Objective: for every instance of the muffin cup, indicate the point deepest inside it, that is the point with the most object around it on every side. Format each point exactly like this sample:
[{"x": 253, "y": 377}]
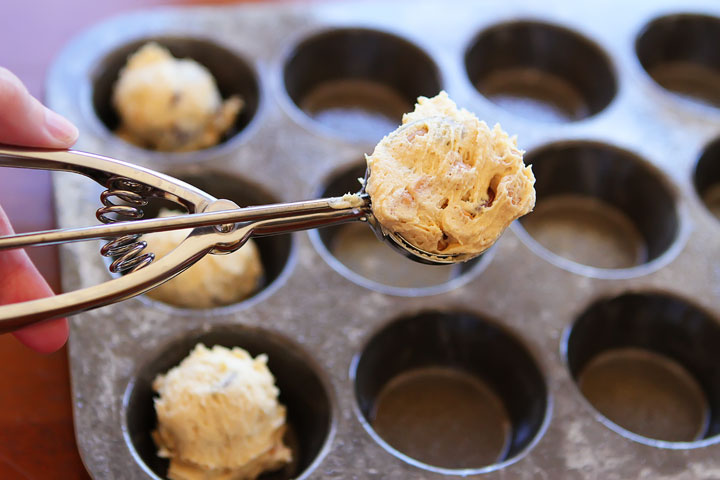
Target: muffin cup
[
  {"x": 233, "y": 76},
  {"x": 649, "y": 364},
  {"x": 541, "y": 71},
  {"x": 355, "y": 252},
  {"x": 601, "y": 211},
  {"x": 303, "y": 390},
  {"x": 356, "y": 83},
  {"x": 450, "y": 392},
  {"x": 276, "y": 252},
  {"x": 679, "y": 52}
]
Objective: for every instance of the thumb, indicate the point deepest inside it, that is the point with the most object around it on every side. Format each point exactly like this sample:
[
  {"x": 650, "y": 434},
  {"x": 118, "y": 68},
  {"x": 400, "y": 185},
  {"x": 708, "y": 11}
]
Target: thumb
[
  {"x": 20, "y": 281},
  {"x": 25, "y": 121}
]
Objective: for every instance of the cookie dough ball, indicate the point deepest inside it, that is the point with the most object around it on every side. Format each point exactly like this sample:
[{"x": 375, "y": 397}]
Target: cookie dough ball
[
  {"x": 213, "y": 281},
  {"x": 446, "y": 182},
  {"x": 170, "y": 104},
  {"x": 219, "y": 416}
]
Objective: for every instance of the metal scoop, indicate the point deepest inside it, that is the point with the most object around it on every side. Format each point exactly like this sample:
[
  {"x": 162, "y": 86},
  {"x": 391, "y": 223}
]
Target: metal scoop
[{"x": 220, "y": 226}]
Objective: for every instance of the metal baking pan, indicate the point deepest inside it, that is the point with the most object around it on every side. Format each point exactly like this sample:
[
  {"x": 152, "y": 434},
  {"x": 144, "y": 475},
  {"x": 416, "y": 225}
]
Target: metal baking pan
[{"x": 584, "y": 344}]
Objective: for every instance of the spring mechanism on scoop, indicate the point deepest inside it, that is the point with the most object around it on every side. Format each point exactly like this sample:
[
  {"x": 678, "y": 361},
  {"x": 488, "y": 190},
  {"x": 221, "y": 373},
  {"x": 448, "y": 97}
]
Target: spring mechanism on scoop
[{"x": 126, "y": 250}]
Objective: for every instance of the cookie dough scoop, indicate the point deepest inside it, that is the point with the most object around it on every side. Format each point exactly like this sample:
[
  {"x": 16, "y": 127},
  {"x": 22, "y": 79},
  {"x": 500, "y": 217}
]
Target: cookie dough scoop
[{"x": 385, "y": 202}]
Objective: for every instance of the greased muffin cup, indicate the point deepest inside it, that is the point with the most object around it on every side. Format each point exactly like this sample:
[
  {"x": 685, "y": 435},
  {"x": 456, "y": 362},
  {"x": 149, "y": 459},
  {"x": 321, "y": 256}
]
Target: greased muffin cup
[{"x": 582, "y": 345}]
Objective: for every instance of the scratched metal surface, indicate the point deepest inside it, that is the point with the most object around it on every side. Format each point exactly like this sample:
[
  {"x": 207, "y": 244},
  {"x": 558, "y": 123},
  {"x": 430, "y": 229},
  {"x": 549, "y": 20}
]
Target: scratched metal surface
[{"x": 331, "y": 317}]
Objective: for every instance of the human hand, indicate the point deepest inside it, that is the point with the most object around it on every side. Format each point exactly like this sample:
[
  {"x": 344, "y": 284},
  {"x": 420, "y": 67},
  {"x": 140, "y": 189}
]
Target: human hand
[{"x": 24, "y": 121}]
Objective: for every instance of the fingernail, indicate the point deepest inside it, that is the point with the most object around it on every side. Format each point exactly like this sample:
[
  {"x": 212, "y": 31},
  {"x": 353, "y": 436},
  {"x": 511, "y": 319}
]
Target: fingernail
[{"x": 60, "y": 128}]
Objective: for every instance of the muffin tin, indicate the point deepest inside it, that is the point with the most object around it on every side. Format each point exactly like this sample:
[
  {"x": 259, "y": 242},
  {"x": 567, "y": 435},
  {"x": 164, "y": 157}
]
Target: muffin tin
[{"x": 584, "y": 344}]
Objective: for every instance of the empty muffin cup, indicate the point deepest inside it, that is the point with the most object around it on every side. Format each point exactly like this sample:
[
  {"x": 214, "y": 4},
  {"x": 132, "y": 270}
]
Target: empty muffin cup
[
  {"x": 303, "y": 391},
  {"x": 275, "y": 251},
  {"x": 680, "y": 53},
  {"x": 601, "y": 211},
  {"x": 649, "y": 364},
  {"x": 355, "y": 252},
  {"x": 232, "y": 74},
  {"x": 450, "y": 392},
  {"x": 707, "y": 178},
  {"x": 540, "y": 71},
  {"x": 357, "y": 83}
]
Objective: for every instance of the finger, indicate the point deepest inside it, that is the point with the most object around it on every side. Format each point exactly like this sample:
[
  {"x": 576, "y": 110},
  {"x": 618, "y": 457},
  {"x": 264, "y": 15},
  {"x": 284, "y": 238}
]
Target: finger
[
  {"x": 44, "y": 337},
  {"x": 20, "y": 281},
  {"x": 25, "y": 121}
]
